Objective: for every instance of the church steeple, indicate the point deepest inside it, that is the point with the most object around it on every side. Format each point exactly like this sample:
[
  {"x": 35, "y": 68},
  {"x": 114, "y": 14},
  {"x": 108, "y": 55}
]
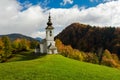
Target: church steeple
[
  {"x": 49, "y": 23},
  {"x": 48, "y": 44}
]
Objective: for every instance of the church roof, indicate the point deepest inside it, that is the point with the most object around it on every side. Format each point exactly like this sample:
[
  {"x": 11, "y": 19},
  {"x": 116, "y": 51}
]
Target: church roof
[
  {"x": 52, "y": 47},
  {"x": 49, "y": 23},
  {"x": 44, "y": 40}
]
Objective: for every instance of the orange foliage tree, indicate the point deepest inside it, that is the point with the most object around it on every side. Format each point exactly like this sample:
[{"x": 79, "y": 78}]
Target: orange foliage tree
[
  {"x": 68, "y": 51},
  {"x": 109, "y": 59}
]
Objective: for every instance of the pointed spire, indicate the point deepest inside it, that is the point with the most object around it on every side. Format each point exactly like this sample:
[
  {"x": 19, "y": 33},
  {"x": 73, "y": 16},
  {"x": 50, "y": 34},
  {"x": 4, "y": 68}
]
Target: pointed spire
[
  {"x": 49, "y": 20},
  {"x": 49, "y": 23},
  {"x": 49, "y": 17}
]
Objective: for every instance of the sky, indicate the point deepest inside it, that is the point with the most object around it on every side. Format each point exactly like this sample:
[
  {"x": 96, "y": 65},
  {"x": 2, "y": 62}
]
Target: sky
[{"x": 29, "y": 17}]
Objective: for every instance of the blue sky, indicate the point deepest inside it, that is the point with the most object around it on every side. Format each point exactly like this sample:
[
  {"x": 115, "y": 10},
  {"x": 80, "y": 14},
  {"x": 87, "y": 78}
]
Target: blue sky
[
  {"x": 57, "y": 3},
  {"x": 29, "y": 17}
]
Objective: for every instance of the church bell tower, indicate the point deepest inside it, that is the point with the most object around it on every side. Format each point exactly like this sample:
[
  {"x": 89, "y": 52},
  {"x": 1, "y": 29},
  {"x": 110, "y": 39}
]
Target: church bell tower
[
  {"x": 49, "y": 30},
  {"x": 50, "y": 43}
]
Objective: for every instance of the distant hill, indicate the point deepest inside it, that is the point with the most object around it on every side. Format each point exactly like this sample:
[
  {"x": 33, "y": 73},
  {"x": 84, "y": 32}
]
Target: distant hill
[
  {"x": 56, "y": 67},
  {"x": 16, "y": 35},
  {"x": 91, "y": 38},
  {"x": 38, "y": 38}
]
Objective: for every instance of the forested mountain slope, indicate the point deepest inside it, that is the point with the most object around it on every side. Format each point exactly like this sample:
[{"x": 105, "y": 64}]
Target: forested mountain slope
[{"x": 91, "y": 38}]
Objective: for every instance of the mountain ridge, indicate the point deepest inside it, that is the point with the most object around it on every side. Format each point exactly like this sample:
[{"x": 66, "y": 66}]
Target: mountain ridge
[
  {"x": 14, "y": 36},
  {"x": 91, "y": 38}
]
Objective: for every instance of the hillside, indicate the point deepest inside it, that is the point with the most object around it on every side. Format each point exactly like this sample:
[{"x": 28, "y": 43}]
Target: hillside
[
  {"x": 91, "y": 38},
  {"x": 20, "y": 36},
  {"x": 56, "y": 67}
]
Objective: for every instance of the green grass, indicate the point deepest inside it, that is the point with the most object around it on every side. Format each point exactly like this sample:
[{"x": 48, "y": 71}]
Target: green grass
[
  {"x": 56, "y": 67},
  {"x": 23, "y": 56}
]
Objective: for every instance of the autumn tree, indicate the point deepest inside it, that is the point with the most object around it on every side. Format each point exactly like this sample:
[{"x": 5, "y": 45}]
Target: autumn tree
[
  {"x": 25, "y": 44},
  {"x": 34, "y": 44},
  {"x": 1, "y": 50},
  {"x": 90, "y": 38},
  {"x": 110, "y": 60},
  {"x": 21, "y": 45},
  {"x": 68, "y": 51},
  {"x": 7, "y": 47},
  {"x": 101, "y": 56}
]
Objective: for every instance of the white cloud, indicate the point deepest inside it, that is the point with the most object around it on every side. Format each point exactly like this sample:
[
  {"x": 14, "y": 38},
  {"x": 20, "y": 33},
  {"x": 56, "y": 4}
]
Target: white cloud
[
  {"x": 109, "y": 0},
  {"x": 104, "y": 14},
  {"x": 93, "y": 0},
  {"x": 12, "y": 20},
  {"x": 66, "y": 2},
  {"x": 38, "y": 34},
  {"x": 32, "y": 21}
]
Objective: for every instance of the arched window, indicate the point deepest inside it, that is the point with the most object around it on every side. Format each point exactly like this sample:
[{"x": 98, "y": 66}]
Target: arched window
[{"x": 50, "y": 33}]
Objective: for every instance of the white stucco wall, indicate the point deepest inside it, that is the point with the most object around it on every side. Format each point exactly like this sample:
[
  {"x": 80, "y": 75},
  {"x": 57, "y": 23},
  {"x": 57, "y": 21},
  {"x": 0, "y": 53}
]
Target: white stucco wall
[
  {"x": 41, "y": 48},
  {"x": 55, "y": 51},
  {"x": 50, "y": 42},
  {"x": 48, "y": 37}
]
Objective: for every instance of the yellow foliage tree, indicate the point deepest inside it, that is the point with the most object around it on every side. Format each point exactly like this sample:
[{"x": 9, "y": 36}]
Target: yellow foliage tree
[
  {"x": 21, "y": 44},
  {"x": 1, "y": 50}
]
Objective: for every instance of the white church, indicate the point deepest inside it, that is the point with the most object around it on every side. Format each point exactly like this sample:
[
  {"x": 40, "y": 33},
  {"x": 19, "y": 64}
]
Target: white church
[{"x": 47, "y": 45}]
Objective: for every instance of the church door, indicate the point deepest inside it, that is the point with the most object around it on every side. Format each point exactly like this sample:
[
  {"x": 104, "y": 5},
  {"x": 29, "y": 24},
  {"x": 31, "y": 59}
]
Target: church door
[{"x": 52, "y": 50}]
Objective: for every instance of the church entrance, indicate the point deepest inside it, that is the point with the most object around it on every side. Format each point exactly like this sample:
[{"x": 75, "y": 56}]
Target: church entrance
[{"x": 52, "y": 50}]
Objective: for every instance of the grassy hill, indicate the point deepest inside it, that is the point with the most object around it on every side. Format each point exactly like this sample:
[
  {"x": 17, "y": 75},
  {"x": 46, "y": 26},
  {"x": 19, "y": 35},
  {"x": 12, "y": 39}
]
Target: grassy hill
[{"x": 56, "y": 67}]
